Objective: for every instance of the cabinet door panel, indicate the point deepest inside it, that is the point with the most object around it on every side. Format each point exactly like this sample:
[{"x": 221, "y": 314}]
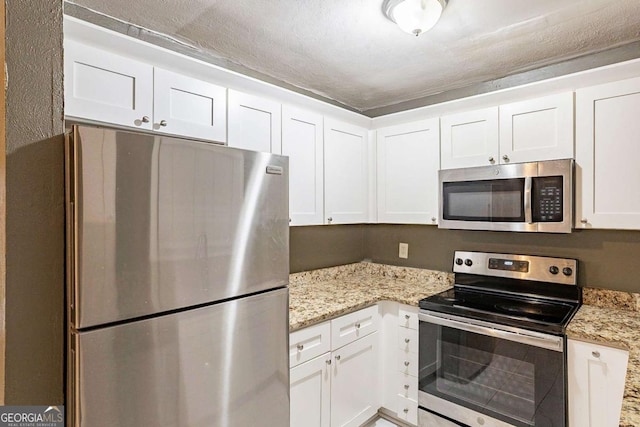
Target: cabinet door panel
[
  {"x": 354, "y": 382},
  {"x": 254, "y": 123},
  {"x": 311, "y": 393},
  {"x": 105, "y": 87},
  {"x": 408, "y": 163},
  {"x": 188, "y": 107},
  {"x": 607, "y": 174},
  {"x": 302, "y": 142},
  {"x": 469, "y": 139},
  {"x": 596, "y": 384},
  {"x": 537, "y": 129},
  {"x": 346, "y": 183}
]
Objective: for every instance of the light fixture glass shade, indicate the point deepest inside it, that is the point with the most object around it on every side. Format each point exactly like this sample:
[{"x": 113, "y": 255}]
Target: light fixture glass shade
[{"x": 415, "y": 16}]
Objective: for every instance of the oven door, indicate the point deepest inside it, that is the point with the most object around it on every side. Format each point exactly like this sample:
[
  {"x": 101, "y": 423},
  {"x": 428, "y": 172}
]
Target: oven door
[{"x": 482, "y": 374}]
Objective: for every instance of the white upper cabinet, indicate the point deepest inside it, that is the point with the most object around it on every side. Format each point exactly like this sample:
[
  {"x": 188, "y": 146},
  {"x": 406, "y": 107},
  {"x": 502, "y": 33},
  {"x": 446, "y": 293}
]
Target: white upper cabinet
[
  {"x": 607, "y": 153},
  {"x": 346, "y": 165},
  {"x": 254, "y": 123},
  {"x": 106, "y": 87},
  {"x": 527, "y": 131},
  {"x": 407, "y": 172},
  {"x": 469, "y": 139},
  {"x": 186, "y": 106},
  {"x": 302, "y": 141},
  {"x": 537, "y": 129}
]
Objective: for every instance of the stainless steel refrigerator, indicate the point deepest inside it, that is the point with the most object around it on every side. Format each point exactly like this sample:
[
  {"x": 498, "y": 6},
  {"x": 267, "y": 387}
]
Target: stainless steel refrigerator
[{"x": 178, "y": 266}]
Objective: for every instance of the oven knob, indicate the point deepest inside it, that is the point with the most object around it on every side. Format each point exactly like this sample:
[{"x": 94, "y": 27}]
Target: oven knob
[
  {"x": 468, "y": 262},
  {"x": 553, "y": 269},
  {"x": 459, "y": 261},
  {"x": 567, "y": 271}
]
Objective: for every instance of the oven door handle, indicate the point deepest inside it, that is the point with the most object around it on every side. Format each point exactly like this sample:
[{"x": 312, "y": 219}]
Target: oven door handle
[{"x": 549, "y": 342}]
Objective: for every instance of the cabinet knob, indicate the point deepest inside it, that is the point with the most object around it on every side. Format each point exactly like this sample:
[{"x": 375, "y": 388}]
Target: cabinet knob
[
  {"x": 491, "y": 159},
  {"x": 584, "y": 220},
  {"x": 338, "y": 357},
  {"x": 406, "y": 386},
  {"x": 406, "y": 363},
  {"x": 505, "y": 158},
  {"x": 406, "y": 316},
  {"x": 357, "y": 325},
  {"x": 329, "y": 220},
  {"x": 406, "y": 410},
  {"x": 145, "y": 119},
  {"x": 407, "y": 340},
  {"x": 433, "y": 219},
  {"x": 595, "y": 354},
  {"x": 328, "y": 361},
  {"x": 300, "y": 347},
  {"x": 163, "y": 123}
]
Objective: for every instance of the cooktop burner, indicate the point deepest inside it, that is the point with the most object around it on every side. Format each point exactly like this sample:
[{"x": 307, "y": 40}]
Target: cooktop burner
[{"x": 535, "y": 293}]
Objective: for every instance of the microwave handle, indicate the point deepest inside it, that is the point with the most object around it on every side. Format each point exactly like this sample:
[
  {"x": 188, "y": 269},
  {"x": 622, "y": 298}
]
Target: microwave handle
[{"x": 528, "y": 216}]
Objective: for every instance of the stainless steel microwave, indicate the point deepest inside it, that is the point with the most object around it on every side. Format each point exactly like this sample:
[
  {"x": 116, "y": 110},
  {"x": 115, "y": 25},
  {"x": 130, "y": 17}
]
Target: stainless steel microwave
[{"x": 530, "y": 197}]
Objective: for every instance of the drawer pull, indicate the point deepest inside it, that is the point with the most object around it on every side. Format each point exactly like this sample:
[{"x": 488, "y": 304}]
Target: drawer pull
[
  {"x": 407, "y": 340},
  {"x": 595, "y": 354},
  {"x": 300, "y": 347},
  {"x": 357, "y": 325},
  {"x": 406, "y": 363},
  {"x": 406, "y": 316},
  {"x": 406, "y": 386}
]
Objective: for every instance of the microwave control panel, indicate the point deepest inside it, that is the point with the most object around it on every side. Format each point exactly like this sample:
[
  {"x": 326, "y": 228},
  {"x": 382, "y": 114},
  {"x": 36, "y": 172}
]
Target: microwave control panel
[{"x": 547, "y": 199}]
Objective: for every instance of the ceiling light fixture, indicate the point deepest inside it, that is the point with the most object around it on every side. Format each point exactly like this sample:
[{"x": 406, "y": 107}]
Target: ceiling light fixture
[{"x": 414, "y": 16}]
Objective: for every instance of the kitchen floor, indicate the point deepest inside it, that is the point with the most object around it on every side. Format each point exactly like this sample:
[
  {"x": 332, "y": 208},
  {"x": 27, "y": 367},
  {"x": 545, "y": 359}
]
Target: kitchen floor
[{"x": 381, "y": 422}]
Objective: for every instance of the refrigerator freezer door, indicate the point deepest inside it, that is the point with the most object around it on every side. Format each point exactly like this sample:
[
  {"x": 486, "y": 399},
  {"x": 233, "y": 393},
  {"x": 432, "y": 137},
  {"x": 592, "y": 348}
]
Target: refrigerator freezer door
[
  {"x": 223, "y": 365},
  {"x": 160, "y": 223}
]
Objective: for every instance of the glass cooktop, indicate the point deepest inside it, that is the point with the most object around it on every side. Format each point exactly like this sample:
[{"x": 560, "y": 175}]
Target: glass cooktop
[{"x": 520, "y": 311}]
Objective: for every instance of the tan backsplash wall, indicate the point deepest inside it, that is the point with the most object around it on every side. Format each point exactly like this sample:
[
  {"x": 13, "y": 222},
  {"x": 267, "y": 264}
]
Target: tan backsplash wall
[{"x": 608, "y": 259}]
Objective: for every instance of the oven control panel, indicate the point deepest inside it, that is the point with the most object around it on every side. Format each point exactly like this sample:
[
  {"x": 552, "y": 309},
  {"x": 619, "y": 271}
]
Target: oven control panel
[{"x": 527, "y": 267}]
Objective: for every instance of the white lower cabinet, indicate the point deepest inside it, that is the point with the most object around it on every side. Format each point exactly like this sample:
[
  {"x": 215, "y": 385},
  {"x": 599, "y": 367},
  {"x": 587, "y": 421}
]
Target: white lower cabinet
[
  {"x": 337, "y": 388},
  {"x": 596, "y": 384},
  {"x": 311, "y": 393}
]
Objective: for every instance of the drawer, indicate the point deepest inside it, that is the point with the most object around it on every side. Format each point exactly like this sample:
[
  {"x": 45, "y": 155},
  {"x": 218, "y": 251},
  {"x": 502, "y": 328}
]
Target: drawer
[
  {"x": 350, "y": 327},
  {"x": 408, "y": 340},
  {"x": 307, "y": 343},
  {"x": 407, "y": 386},
  {"x": 408, "y": 363},
  {"x": 408, "y": 317},
  {"x": 407, "y": 410}
]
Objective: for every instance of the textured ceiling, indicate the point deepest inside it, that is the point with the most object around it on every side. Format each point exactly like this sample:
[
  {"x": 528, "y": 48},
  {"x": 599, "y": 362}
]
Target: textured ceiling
[{"x": 346, "y": 50}]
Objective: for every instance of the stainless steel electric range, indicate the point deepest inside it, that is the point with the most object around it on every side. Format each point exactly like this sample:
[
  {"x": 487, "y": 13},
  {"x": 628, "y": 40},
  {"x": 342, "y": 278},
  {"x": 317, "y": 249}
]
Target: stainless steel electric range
[{"x": 492, "y": 348}]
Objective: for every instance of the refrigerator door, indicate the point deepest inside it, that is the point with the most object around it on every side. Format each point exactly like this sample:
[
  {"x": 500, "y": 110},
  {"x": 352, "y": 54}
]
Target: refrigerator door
[
  {"x": 160, "y": 223},
  {"x": 223, "y": 365}
]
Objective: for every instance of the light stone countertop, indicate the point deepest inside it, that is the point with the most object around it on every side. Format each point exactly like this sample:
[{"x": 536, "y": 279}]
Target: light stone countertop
[
  {"x": 327, "y": 293},
  {"x": 607, "y": 317},
  {"x": 611, "y": 318}
]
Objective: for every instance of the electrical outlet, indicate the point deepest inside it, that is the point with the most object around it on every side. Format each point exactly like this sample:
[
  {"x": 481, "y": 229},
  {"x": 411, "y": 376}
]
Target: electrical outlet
[{"x": 403, "y": 250}]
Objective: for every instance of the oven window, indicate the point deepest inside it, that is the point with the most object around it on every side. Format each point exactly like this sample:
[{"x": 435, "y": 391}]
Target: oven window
[
  {"x": 517, "y": 383},
  {"x": 499, "y": 200}
]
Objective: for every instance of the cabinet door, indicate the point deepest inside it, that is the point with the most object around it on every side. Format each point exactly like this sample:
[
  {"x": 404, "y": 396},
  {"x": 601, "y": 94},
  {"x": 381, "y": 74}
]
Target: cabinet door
[
  {"x": 408, "y": 162},
  {"x": 345, "y": 171},
  {"x": 188, "y": 107},
  {"x": 105, "y": 87},
  {"x": 354, "y": 382},
  {"x": 596, "y": 384},
  {"x": 254, "y": 123},
  {"x": 537, "y": 129},
  {"x": 302, "y": 142},
  {"x": 469, "y": 139},
  {"x": 607, "y": 153},
  {"x": 310, "y": 393}
]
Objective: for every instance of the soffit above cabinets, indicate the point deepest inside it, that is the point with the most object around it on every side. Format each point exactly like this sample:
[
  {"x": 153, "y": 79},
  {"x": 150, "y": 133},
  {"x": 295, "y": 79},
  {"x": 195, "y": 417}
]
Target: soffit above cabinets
[{"x": 348, "y": 52}]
